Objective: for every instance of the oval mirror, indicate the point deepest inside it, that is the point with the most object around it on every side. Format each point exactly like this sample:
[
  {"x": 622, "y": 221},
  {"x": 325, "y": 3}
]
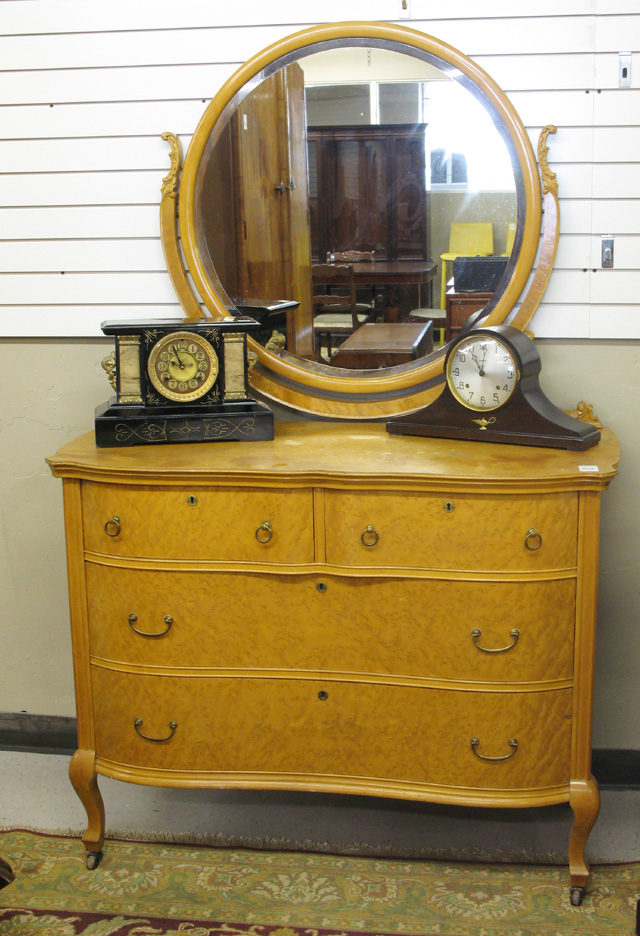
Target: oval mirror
[{"x": 356, "y": 137}]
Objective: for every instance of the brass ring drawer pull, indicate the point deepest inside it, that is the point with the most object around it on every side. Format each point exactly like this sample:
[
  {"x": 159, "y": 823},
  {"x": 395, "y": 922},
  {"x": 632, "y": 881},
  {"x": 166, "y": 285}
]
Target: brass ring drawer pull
[
  {"x": 476, "y": 633},
  {"x": 172, "y": 725},
  {"x": 112, "y": 527},
  {"x": 168, "y": 620},
  {"x": 369, "y": 536},
  {"x": 264, "y": 532},
  {"x": 513, "y": 743},
  {"x": 533, "y": 540}
]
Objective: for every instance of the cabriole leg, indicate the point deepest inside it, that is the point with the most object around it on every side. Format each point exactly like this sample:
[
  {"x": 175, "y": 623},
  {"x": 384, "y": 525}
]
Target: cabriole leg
[
  {"x": 584, "y": 799},
  {"x": 83, "y": 776}
]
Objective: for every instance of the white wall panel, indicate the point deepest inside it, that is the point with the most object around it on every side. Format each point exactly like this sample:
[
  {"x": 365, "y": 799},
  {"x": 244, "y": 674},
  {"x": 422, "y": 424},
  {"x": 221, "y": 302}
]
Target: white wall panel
[
  {"x": 561, "y": 321},
  {"x": 153, "y": 83},
  {"x": 619, "y": 217},
  {"x": 82, "y": 188},
  {"x": 568, "y": 286},
  {"x": 617, "y": 107},
  {"x": 146, "y": 118},
  {"x": 565, "y": 109},
  {"x": 78, "y": 15},
  {"x": 69, "y": 321},
  {"x": 609, "y": 29},
  {"x": 539, "y": 71},
  {"x": 613, "y": 286},
  {"x": 81, "y": 288},
  {"x": 615, "y": 321},
  {"x": 569, "y": 144},
  {"x": 76, "y": 222},
  {"x": 87, "y": 155},
  {"x": 616, "y": 181},
  {"x": 617, "y": 144},
  {"x": 73, "y": 256}
]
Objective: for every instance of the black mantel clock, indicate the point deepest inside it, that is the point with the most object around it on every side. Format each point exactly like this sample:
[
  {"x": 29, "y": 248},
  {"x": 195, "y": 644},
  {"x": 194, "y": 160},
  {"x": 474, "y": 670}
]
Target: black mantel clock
[
  {"x": 180, "y": 381},
  {"x": 492, "y": 394}
]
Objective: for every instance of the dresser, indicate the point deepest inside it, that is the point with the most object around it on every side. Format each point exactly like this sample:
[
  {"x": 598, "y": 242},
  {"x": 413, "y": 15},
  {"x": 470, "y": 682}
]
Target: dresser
[{"x": 340, "y": 610}]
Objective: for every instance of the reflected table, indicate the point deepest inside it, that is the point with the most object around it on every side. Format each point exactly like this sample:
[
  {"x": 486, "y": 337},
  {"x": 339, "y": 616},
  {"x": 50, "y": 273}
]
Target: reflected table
[
  {"x": 392, "y": 273},
  {"x": 375, "y": 345}
]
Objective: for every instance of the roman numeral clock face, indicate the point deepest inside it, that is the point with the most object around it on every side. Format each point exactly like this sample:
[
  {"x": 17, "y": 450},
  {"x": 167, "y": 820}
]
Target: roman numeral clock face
[{"x": 482, "y": 373}]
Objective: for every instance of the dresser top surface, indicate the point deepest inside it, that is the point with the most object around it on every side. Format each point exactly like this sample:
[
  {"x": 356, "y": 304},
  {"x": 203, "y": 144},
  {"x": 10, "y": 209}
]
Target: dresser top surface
[{"x": 336, "y": 453}]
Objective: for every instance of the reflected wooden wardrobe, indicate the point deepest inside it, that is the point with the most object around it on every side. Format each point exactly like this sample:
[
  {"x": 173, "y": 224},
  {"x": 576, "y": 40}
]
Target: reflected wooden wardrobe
[{"x": 257, "y": 227}]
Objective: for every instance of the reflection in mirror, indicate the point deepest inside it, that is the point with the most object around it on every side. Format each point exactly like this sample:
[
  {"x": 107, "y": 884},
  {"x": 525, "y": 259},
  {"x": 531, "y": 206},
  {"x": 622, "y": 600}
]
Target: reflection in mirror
[{"x": 358, "y": 149}]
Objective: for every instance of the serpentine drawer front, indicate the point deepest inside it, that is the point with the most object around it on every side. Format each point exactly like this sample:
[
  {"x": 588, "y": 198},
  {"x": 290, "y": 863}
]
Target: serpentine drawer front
[
  {"x": 312, "y": 623},
  {"x": 334, "y": 730},
  {"x": 339, "y": 610}
]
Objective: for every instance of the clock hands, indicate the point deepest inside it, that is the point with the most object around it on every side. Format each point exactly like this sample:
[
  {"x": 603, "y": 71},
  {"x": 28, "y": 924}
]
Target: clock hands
[
  {"x": 174, "y": 350},
  {"x": 480, "y": 365}
]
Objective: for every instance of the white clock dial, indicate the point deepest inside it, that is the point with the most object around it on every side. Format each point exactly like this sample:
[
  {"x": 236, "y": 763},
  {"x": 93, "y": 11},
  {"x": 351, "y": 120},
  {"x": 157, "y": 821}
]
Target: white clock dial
[{"x": 482, "y": 372}]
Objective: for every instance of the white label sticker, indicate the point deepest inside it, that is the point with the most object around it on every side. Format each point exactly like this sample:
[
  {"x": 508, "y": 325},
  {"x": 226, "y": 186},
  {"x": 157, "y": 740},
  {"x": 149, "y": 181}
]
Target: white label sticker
[{"x": 588, "y": 468}]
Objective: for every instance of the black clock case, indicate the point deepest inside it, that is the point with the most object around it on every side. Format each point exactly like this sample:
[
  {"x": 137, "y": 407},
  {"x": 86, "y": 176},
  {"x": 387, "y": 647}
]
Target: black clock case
[
  {"x": 211, "y": 419},
  {"x": 527, "y": 418}
]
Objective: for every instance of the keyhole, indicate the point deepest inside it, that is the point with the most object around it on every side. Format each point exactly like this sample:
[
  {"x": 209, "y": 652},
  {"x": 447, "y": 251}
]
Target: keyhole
[
  {"x": 321, "y": 587},
  {"x": 192, "y": 500},
  {"x": 449, "y": 507},
  {"x": 323, "y": 696}
]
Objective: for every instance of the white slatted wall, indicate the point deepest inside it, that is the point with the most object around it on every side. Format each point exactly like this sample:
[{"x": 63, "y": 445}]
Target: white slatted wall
[{"x": 87, "y": 88}]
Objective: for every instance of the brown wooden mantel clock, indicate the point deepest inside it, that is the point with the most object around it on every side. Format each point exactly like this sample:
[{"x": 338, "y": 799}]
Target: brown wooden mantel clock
[
  {"x": 492, "y": 394},
  {"x": 341, "y": 608}
]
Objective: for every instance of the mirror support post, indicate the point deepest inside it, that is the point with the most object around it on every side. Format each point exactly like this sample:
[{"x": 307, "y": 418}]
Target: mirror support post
[
  {"x": 550, "y": 232},
  {"x": 169, "y": 233}
]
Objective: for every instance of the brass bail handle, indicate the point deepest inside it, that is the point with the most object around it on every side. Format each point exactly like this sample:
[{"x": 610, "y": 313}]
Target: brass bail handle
[
  {"x": 112, "y": 527},
  {"x": 513, "y": 743},
  {"x": 476, "y": 634},
  {"x": 264, "y": 532},
  {"x": 369, "y": 536},
  {"x": 172, "y": 729},
  {"x": 168, "y": 620}
]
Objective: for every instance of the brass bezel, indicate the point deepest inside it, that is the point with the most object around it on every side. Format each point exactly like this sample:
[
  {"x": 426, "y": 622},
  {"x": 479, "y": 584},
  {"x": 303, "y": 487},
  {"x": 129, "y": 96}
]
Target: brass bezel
[
  {"x": 200, "y": 391},
  {"x": 316, "y": 388},
  {"x": 451, "y": 354}
]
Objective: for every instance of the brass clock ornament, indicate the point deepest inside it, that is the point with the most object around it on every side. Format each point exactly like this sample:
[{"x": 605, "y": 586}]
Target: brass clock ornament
[
  {"x": 492, "y": 394},
  {"x": 178, "y": 381}
]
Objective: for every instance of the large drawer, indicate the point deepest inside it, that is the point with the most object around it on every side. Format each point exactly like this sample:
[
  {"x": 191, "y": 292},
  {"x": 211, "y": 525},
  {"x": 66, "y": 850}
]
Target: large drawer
[
  {"x": 465, "y": 532},
  {"x": 270, "y": 727},
  {"x": 411, "y": 627},
  {"x": 225, "y": 524}
]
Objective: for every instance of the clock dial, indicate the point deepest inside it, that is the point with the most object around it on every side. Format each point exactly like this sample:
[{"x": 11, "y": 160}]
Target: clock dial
[
  {"x": 482, "y": 372},
  {"x": 183, "y": 366}
]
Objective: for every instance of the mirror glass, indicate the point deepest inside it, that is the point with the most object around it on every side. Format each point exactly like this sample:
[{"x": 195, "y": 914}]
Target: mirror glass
[{"x": 355, "y": 145}]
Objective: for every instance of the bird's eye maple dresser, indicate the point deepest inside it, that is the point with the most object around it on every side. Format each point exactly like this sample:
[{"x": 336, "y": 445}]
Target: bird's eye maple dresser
[{"x": 341, "y": 610}]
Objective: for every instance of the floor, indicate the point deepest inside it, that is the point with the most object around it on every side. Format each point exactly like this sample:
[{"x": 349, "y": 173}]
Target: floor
[{"x": 35, "y": 792}]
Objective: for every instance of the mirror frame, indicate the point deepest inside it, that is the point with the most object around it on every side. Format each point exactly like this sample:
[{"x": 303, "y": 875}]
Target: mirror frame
[{"x": 317, "y": 388}]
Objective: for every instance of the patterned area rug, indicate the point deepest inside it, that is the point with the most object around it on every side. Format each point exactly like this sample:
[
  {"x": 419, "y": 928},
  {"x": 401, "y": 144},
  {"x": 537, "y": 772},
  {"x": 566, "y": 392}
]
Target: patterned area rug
[{"x": 157, "y": 889}]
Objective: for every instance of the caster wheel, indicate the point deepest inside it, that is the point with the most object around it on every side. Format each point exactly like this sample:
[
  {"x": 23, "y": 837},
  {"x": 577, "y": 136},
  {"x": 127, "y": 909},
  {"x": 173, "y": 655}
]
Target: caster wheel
[
  {"x": 576, "y": 895},
  {"x": 93, "y": 860},
  {"x": 6, "y": 874}
]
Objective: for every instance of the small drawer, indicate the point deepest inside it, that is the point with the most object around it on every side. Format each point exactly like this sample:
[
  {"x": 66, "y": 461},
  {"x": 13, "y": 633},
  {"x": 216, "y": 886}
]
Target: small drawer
[
  {"x": 443, "y": 629},
  {"x": 272, "y": 729},
  {"x": 216, "y": 524},
  {"x": 458, "y": 532}
]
